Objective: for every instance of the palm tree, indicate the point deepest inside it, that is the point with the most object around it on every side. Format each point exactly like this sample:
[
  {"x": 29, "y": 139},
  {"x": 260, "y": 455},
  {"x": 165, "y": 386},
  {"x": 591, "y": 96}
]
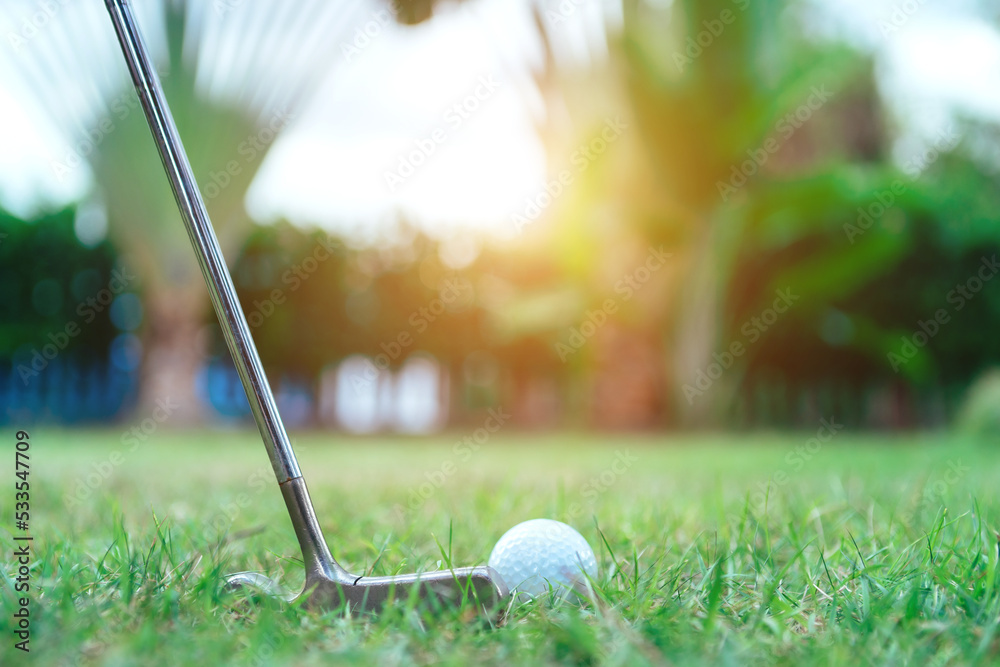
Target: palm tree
[
  {"x": 236, "y": 73},
  {"x": 705, "y": 86}
]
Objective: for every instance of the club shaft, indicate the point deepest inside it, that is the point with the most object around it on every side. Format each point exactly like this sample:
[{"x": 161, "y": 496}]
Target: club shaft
[
  {"x": 322, "y": 571},
  {"x": 206, "y": 245}
]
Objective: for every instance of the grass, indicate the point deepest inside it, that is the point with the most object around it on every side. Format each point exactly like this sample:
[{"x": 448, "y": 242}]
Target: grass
[{"x": 741, "y": 550}]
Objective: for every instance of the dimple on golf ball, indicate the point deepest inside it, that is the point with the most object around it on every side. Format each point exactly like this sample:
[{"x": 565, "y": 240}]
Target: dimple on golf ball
[{"x": 534, "y": 554}]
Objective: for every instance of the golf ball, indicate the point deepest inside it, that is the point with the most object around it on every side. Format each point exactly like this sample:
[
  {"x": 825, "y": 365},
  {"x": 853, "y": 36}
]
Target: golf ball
[{"x": 534, "y": 554}]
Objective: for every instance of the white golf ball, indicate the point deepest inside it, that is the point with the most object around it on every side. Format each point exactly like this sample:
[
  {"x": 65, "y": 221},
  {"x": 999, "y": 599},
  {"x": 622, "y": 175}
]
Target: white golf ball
[{"x": 534, "y": 554}]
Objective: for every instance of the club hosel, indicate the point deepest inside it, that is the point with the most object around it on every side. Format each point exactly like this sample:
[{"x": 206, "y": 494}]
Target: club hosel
[{"x": 315, "y": 552}]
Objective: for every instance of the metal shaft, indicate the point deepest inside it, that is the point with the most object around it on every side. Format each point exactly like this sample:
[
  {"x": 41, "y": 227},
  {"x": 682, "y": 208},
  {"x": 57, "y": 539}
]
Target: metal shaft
[
  {"x": 220, "y": 286},
  {"x": 327, "y": 582},
  {"x": 206, "y": 245}
]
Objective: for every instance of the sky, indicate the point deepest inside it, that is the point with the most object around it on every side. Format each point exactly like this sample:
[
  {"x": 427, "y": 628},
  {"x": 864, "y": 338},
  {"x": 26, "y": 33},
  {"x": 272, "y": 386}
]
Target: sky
[
  {"x": 933, "y": 59},
  {"x": 459, "y": 116},
  {"x": 448, "y": 140}
]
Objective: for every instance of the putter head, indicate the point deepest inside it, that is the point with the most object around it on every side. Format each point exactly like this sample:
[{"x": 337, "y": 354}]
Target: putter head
[
  {"x": 328, "y": 585},
  {"x": 479, "y": 588}
]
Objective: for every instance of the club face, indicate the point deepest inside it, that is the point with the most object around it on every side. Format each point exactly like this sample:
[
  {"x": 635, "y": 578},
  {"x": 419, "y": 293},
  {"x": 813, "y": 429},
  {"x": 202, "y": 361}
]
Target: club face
[
  {"x": 478, "y": 588},
  {"x": 330, "y": 586},
  {"x": 470, "y": 587}
]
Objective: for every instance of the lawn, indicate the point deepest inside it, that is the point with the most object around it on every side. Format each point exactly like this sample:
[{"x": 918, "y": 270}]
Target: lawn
[{"x": 726, "y": 549}]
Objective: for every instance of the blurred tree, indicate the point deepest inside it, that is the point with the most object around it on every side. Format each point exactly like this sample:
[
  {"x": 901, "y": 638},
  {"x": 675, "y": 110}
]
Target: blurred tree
[
  {"x": 48, "y": 276},
  {"x": 760, "y": 158},
  {"x": 749, "y": 148},
  {"x": 768, "y": 143},
  {"x": 312, "y": 300},
  {"x": 235, "y": 75},
  {"x": 291, "y": 284}
]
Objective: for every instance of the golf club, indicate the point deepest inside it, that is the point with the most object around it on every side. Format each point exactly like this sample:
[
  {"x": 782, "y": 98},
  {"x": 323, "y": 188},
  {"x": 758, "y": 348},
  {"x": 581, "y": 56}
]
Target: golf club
[{"x": 327, "y": 583}]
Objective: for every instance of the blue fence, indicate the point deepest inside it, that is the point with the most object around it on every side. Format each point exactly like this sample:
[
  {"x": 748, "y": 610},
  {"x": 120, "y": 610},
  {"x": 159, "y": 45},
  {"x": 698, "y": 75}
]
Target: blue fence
[
  {"x": 67, "y": 391},
  {"x": 220, "y": 386},
  {"x": 78, "y": 392}
]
